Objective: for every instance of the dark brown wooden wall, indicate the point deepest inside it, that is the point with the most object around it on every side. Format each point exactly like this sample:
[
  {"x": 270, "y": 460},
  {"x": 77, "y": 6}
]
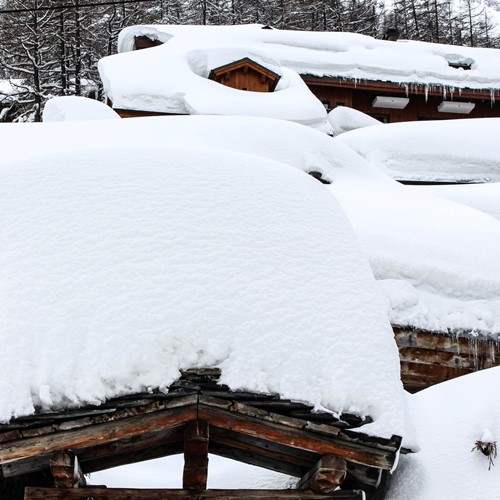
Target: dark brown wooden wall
[{"x": 419, "y": 108}]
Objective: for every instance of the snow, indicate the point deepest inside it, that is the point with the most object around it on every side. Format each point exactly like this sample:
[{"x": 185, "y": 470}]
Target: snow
[
  {"x": 483, "y": 197},
  {"x": 343, "y": 119},
  {"x": 75, "y": 108},
  {"x": 166, "y": 472},
  {"x": 463, "y": 150},
  {"x": 9, "y": 88},
  {"x": 450, "y": 418},
  {"x": 173, "y": 78},
  {"x": 436, "y": 261},
  {"x": 134, "y": 255},
  {"x": 337, "y": 54}
]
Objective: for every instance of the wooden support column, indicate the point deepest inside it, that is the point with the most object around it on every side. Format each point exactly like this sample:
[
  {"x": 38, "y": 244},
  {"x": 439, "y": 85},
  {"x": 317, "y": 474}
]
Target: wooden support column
[
  {"x": 195, "y": 455},
  {"x": 66, "y": 470},
  {"x": 325, "y": 476}
]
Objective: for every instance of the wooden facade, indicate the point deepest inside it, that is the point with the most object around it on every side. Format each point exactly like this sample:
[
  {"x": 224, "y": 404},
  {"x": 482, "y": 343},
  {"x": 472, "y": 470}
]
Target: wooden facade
[
  {"x": 429, "y": 358},
  {"x": 245, "y": 74},
  {"x": 423, "y": 102},
  {"x": 50, "y": 453}
]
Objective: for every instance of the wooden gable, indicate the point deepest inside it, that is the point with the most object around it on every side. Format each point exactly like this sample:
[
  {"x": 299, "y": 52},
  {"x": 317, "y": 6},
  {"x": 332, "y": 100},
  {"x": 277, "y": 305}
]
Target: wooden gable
[
  {"x": 246, "y": 74},
  {"x": 144, "y": 42},
  {"x": 196, "y": 417}
]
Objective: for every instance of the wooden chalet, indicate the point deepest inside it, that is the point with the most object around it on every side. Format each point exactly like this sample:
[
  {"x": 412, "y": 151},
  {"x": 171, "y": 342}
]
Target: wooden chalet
[
  {"x": 384, "y": 100},
  {"x": 245, "y": 74},
  {"x": 46, "y": 456}
]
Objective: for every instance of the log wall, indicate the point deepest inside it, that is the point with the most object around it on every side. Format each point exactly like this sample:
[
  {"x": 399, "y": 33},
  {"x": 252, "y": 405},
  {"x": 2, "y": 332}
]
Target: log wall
[{"x": 430, "y": 358}]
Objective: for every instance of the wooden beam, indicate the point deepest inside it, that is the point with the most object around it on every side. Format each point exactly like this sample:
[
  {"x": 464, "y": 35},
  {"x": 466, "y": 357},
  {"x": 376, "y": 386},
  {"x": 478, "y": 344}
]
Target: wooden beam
[
  {"x": 299, "y": 439},
  {"x": 196, "y": 436},
  {"x": 162, "y": 444},
  {"x": 325, "y": 476},
  {"x": 89, "y": 437},
  {"x": 155, "y": 494},
  {"x": 261, "y": 453},
  {"x": 66, "y": 470}
]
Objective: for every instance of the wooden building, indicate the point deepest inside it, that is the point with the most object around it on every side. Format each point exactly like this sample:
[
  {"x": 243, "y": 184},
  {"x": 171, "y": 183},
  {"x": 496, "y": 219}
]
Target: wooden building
[
  {"x": 429, "y": 358},
  {"x": 393, "y": 102},
  {"x": 445, "y": 82},
  {"x": 245, "y": 74},
  {"x": 47, "y": 455}
]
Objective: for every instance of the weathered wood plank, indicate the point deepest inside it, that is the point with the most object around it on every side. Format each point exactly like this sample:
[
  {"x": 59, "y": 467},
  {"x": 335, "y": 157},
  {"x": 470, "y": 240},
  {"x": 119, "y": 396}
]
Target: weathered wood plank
[
  {"x": 480, "y": 351},
  {"x": 443, "y": 358},
  {"x": 159, "y": 444},
  {"x": 103, "y": 456},
  {"x": 325, "y": 477},
  {"x": 265, "y": 461},
  {"x": 196, "y": 438},
  {"x": 431, "y": 373},
  {"x": 37, "y": 425},
  {"x": 261, "y": 453},
  {"x": 295, "y": 438},
  {"x": 95, "y": 435},
  {"x": 263, "y": 414},
  {"x": 155, "y": 494},
  {"x": 66, "y": 470}
]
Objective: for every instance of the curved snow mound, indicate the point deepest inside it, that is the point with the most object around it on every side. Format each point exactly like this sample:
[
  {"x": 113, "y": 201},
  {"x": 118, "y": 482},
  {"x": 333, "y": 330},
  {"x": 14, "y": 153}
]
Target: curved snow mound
[
  {"x": 343, "y": 119},
  {"x": 450, "y": 419},
  {"x": 173, "y": 78},
  {"x": 76, "y": 108},
  {"x": 447, "y": 150},
  {"x": 121, "y": 267}
]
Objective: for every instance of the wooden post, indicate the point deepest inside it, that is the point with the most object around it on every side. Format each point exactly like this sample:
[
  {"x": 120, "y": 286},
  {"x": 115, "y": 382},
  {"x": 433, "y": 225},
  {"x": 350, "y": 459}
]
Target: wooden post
[
  {"x": 66, "y": 470},
  {"x": 325, "y": 476},
  {"x": 196, "y": 437}
]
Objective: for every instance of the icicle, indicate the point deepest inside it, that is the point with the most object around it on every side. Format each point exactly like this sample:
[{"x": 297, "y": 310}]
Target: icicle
[
  {"x": 473, "y": 351},
  {"x": 492, "y": 351},
  {"x": 426, "y": 92}
]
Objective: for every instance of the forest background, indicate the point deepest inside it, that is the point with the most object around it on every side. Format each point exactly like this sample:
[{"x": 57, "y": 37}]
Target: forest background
[{"x": 51, "y": 47}]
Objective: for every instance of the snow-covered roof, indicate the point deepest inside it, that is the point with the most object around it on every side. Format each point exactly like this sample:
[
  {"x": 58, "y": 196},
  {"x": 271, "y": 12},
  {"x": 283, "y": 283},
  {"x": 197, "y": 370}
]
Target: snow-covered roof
[
  {"x": 339, "y": 55},
  {"x": 174, "y": 78},
  {"x": 128, "y": 255},
  {"x": 436, "y": 261},
  {"x": 434, "y": 151},
  {"x": 76, "y": 108}
]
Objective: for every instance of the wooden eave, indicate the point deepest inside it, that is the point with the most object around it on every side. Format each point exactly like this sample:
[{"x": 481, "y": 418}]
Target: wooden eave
[
  {"x": 246, "y": 62},
  {"x": 127, "y": 430},
  {"x": 400, "y": 88}
]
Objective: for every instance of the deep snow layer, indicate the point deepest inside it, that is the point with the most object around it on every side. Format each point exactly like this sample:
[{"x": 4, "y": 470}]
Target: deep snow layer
[
  {"x": 437, "y": 261},
  {"x": 449, "y": 419},
  {"x": 122, "y": 266},
  {"x": 76, "y": 108},
  {"x": 463, "y": 150},
  {"x": 343, "y": 55},
  {"x": 173, "y": 78}
]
